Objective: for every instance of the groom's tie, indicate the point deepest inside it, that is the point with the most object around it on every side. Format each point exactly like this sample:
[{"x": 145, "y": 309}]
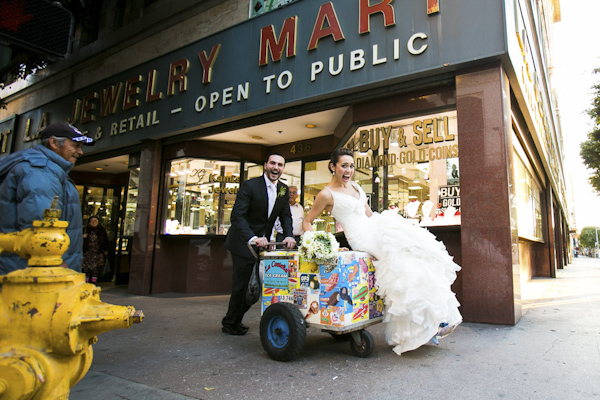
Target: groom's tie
[{"x": 272, "y": 196}]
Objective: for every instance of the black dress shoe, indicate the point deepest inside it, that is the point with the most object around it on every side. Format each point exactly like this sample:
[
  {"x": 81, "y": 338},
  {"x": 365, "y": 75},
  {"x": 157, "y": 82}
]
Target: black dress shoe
[
  {"x": 244, "y": 327},
  {"x": 233, "y": 330}
]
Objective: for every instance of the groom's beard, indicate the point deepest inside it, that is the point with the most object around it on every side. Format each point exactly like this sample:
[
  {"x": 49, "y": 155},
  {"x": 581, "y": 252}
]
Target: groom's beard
[{"x": 273, "y": 175}]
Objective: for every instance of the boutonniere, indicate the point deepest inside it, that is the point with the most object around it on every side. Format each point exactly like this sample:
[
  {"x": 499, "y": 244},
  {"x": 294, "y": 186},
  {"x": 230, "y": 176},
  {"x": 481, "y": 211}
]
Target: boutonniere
[{"x": 281, "y": 192}]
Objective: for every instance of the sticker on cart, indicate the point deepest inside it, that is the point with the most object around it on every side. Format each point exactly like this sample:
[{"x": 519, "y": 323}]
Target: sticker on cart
[
  {"x": 360, "y": 293},
  {"x": 269, "y": 291},
  {"x": 326, "y": 316},
  {"x": 300, "y": 299},
  {"x": 362, "y": 312},
  {"x": 286, "y": 298},
  {"x": 293, "y": 268},
  {"x": 329, "y": 282},
  {"x": 337, "y": 316},
  {"x": 375, "y": 307},
  {"x": 309, "y": 281},
  {"x": 331, "y": 300},
  {"x": 371, "y": 280},
  {"x": 352, "y": 272},
  {"x": 345, "y": 295},
  {"x": 276, "y": 274},
  {"x": 308, "y": 267},
  {"x": 364, "y": 265},
  {"x": 312, "y": 314}
]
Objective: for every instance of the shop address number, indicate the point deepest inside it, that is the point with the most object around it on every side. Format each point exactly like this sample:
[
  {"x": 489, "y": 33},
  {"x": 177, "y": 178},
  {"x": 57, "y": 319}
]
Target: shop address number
[{"x": 301, "y": 148}]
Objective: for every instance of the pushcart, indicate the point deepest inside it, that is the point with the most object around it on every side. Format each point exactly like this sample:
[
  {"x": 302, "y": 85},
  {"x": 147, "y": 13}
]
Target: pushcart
[{"x": 340, "y": 298}]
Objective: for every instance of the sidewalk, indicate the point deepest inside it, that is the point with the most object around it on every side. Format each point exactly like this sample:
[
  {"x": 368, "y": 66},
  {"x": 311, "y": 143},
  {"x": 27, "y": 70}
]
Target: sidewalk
[{"x": 179, "y": 352}]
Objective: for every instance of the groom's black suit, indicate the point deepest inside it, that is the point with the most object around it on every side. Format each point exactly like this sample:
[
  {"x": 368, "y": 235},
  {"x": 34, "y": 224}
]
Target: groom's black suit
[{"x": 249, "y": 218}]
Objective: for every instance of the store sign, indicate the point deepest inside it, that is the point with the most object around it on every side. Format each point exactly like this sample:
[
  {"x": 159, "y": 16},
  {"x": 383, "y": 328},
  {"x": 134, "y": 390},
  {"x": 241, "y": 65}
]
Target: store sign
[
  {"x": 7, "y": 129},
  {"x": 449, "y": 196},
  {"x": 308, "y": 51},
  {"x": 429, "y": 139}
]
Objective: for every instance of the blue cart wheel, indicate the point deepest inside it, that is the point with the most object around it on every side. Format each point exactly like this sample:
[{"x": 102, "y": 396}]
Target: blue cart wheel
[{"x": 282, "y": 331}]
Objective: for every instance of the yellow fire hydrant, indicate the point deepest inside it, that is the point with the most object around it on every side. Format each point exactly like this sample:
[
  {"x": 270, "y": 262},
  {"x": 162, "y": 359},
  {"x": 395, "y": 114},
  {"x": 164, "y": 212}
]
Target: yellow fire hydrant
[{"x": 49, "y": 315}]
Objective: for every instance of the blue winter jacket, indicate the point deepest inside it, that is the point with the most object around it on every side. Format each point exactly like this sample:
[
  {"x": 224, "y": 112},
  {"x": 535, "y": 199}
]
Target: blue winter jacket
[{"x": 29, "y": 180}]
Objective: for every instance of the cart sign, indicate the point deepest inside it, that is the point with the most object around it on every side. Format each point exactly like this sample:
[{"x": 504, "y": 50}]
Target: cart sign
[
  {"x": 276, "y": 274},
  {"x": 449, "y": 196}
]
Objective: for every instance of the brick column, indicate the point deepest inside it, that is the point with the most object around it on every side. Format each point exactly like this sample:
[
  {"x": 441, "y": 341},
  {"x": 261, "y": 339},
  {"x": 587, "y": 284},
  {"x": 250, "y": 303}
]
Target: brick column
[{"x": 490, "y": 267}]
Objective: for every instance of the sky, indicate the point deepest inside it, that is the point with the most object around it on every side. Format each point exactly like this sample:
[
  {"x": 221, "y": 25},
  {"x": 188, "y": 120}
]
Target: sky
[{"x": 576, "y": 52}]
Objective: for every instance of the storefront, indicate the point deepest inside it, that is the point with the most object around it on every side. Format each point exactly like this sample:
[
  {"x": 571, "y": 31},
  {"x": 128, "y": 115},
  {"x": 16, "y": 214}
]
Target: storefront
[{"x": 445, "y": 126}]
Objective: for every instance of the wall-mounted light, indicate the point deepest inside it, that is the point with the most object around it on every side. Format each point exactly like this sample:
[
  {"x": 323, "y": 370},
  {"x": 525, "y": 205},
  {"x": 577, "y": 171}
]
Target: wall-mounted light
[{"x": 310, "y": 126}]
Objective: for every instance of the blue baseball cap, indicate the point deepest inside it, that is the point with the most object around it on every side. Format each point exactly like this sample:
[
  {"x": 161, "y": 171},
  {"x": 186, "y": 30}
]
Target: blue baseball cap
[{"x": 63, "y": 129}]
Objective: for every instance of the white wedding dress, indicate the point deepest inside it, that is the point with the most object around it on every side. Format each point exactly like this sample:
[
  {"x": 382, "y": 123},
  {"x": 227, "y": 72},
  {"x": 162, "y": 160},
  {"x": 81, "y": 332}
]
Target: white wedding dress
[{"x": 413, "y": 270}]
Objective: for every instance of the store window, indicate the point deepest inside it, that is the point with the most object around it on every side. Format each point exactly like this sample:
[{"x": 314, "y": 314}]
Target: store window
[
  {"x": 411, "y": 165},
  {"x": 528, "y": 194},
  {"x": 316, "y": 177},
  {"x": 200, "y": 195},
  {"x": 131, "y": 204}
]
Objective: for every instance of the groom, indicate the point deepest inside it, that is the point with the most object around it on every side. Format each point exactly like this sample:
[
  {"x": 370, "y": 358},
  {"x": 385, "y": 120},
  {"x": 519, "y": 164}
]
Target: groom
[{"x": 259, "y": 202}]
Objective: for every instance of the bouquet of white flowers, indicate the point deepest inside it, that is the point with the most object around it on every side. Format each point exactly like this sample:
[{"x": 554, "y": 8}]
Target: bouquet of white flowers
[{"x": 319, "y": 247}]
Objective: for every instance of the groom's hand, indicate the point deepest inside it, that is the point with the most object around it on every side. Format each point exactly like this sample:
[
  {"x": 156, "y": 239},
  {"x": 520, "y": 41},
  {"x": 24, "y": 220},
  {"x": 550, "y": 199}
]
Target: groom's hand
[
  {"x": 261, "y": 241},
  {"x": 289, "y": 242}
]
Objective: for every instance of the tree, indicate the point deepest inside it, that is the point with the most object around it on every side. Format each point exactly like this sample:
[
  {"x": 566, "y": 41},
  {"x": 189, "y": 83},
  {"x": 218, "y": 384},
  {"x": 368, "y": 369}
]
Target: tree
[
  {"x": 590, "y": 149},
  {"x": 587, "y": 238}
]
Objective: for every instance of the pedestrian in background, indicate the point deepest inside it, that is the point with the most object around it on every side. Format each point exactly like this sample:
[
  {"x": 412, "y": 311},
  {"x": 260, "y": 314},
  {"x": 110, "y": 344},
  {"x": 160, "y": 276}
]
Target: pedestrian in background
[
  {"x": 95, "y": 249},
  {"x": 297, "y": 212},
  {"x": 29, "y": 180}
]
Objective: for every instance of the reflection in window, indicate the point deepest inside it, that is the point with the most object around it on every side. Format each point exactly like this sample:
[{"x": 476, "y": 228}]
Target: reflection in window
[
  {"x": 200, "y": 195},
  {"x": 316, "y": 177},
  {"x": 529, "y": 205},
  {"x": 131, "y": 207},
  {"x": 411, "y": 165}
]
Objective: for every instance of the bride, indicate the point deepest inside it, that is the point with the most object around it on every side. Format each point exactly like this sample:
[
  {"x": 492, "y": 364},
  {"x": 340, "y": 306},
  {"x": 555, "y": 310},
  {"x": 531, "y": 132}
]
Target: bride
[{"x": 413, "y": 270}]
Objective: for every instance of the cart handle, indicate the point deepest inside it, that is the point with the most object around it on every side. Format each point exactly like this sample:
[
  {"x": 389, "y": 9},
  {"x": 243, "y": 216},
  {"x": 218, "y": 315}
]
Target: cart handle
[{"x": 251, "y": 247}]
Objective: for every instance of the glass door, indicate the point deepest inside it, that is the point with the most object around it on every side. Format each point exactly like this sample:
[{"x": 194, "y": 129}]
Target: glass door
[
  {"x": 104, "y": 203},
  {"x": 126, "y": 228}
]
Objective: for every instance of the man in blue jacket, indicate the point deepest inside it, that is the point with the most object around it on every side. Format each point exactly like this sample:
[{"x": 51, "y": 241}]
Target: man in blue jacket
[{"x": 30, "y": 179}]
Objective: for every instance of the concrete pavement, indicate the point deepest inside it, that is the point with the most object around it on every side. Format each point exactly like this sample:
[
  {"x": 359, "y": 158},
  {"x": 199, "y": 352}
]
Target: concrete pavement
[{"x": 179, "y": 352}]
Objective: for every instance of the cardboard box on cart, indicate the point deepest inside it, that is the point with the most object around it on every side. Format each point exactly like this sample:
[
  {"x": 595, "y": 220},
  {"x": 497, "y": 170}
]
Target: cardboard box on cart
[{"x": 336, "y": 295}]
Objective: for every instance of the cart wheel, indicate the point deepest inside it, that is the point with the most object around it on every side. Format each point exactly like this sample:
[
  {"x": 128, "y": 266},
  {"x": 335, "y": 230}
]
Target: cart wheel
[
  {"x": 365, "y": 345},
  {"x": 340, "y": 337},
  {"x": 282, "y": 331}
]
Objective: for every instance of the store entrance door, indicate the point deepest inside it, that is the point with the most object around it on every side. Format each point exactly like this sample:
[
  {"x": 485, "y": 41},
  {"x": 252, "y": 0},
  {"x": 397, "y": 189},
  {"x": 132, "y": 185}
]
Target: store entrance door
[{"x": 105, "y": 203}]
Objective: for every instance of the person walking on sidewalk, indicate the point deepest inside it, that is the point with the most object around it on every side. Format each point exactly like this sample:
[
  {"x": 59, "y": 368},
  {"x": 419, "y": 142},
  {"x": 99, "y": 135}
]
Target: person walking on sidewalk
[
  {"x": 31, "y": 178},
  {"x": 95, "y": 249},
  {"x": 259, "y": 202}
]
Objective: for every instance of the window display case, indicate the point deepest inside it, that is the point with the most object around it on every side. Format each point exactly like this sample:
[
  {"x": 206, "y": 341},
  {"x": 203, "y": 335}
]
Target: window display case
[{"x": 200, "y": 196}]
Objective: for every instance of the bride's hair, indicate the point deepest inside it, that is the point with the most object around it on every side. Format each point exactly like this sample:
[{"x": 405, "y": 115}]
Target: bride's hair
[{"x": 337, "y": 153}]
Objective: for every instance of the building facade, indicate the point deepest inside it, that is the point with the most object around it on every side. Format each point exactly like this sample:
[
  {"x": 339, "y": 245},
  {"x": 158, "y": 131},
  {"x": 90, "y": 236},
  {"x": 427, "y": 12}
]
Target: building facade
[{"x": 447, "y": 104}]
